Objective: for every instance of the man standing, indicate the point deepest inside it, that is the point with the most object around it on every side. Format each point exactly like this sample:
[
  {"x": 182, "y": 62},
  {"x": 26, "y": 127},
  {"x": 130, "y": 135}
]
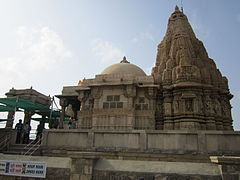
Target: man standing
[
  {"x": 27, "y": 128},
  {"x": 40, "y": 128},
  {"x": 19, "y": 128}
]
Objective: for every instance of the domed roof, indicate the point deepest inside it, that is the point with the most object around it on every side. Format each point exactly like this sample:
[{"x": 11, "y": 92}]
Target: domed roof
[{"x": 124, "y": 67}]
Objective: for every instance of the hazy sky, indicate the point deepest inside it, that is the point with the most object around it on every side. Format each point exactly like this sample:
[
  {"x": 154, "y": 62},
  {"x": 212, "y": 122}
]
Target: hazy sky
[{"x": 48, "y": 44}]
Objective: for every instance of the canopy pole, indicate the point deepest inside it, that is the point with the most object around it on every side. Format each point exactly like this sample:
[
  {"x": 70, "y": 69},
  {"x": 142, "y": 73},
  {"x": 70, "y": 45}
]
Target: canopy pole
[
  {"x": 11, "y": 116},
  {"x": 52, "y": 99}
]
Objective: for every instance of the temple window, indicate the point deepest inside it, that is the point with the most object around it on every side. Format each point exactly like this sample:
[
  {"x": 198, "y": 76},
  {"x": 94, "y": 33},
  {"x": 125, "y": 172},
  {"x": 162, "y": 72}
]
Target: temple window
[
  {"x": 138, "y": 106},
  {"x": 141, "y": 105},
  {"x": 144, "y": 106},
  {"x": 116, "y": 98},
  {"x": 113, "y": 102},
  {"x": 109, "y": 98}
]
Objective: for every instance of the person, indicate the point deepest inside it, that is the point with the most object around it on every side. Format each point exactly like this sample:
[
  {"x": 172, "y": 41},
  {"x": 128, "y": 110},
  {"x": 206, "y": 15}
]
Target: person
[
  {"x": 26, "y": 131},
  {"x": 40, "y": 128},
  {"x": 19, "y": 128},
  {"x": 72, "y": 123}
]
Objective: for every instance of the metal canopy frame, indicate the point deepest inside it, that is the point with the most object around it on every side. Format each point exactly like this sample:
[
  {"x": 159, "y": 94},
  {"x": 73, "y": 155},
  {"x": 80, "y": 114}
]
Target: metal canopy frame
[{"x": 14, "y": 104}]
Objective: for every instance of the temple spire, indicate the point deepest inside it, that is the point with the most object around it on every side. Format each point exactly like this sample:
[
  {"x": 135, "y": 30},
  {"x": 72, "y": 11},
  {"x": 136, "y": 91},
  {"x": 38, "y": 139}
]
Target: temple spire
[
  {"x": 177, "y": 8},
  {"x": 189, "y": 80}
]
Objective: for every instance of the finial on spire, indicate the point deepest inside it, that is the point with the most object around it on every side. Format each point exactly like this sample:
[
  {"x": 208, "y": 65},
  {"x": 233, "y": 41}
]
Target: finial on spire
[
  {"x": 176, "y": 8},
  {"x": 124, "y": 60}
]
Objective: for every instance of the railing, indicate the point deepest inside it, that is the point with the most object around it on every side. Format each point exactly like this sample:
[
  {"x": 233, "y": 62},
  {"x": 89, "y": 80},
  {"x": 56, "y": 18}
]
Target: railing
[
  {"x": 32, "y": 135},
  {"x": 4, "y": 141},
  {"x": 33, "y": 146},
  {"x": 2, "y": 124}
]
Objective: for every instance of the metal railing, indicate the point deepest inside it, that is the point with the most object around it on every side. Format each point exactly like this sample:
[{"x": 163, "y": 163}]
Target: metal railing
[
  {"x": 4, "y": 141},
  {"x": 33, "y": 146},
  {"x": 32, "y": 135}
]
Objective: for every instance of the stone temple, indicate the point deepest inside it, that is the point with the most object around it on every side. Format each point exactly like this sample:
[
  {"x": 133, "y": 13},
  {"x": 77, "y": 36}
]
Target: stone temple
[
  {"x": 185, "y": 91},
  {"x": 174, "y": 124}
]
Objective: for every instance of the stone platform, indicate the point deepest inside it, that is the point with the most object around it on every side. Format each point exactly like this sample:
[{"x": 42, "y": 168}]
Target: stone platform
[
  {"x": 147, "y": 141},
  {"x": 137, "y": 154}
]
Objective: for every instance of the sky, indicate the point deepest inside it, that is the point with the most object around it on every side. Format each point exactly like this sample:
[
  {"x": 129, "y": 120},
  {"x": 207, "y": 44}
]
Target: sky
[{"x": 48, "y": 44}]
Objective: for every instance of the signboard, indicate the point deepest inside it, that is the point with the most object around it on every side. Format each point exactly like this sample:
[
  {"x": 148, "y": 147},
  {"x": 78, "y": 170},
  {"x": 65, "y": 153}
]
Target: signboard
[{"x": 23, "y": 168}]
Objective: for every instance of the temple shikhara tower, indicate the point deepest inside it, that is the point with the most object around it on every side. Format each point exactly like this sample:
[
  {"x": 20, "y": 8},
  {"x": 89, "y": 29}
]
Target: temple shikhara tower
[{"x": 193, "y": 94}]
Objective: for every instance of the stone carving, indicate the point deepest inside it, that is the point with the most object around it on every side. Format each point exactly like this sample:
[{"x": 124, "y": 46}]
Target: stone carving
[
  {"x": 217, "y": 107},
  {"x": 176, "y": 106},
  {"x": 130, "y": 91},
  {"x": 189, "y": 105},
  {"x": 167, "y": 108},
  {"x": 96, "y": 93},
  {"x": 208, "y": 104},
  {"x": 182, "y": 50},
  {"x": 182, "y": 65}
]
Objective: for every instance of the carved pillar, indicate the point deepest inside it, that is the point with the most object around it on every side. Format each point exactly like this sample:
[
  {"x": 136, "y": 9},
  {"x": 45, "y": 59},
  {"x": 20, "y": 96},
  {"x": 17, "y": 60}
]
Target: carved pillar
[
  {"x": 226, "y": 112},
  {"x": 217, "y": 113},
  {"x": 63, "y": 104},
  {"x": 27, "y": 117},
  {"x": 208, "y": 106},
  {"x": 167, "y": 111},
  {"x": 151, "y": 94},
  {"x": 84, "y": 117},
  {"x": 10, "y": 117},
  {"x": 159, "y": 111},
  {"x": 176, "y": 110},
  {"x": 80, "y": 114},
  {"x": 130, "y": 92}
]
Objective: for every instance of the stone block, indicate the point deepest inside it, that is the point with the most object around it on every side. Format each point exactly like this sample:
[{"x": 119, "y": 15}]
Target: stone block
[
  {"x": 85, "y": 177},
  {"x": 87, "y": 170},
  {"x": 75, "y": 177}
]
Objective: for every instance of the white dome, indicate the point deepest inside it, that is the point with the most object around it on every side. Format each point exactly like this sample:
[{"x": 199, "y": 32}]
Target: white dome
[{"x": 124, "y": 67}]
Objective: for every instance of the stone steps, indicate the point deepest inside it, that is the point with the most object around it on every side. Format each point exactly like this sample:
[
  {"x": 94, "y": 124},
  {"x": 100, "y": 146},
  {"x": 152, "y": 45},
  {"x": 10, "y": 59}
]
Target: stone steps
[{"x": 21, "y": 149}]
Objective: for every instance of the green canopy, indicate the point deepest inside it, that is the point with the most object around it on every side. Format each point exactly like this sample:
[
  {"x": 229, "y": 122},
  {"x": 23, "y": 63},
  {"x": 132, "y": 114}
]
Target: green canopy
[
  {"x": 5, "y": 120},
  {"x": 47, "y": 120},
  {"x": 53, "y": 113},
  {"x": 10, "y": 104},
  {"x": 23, "y": 104},
  {"x": 6, "y": 108}
]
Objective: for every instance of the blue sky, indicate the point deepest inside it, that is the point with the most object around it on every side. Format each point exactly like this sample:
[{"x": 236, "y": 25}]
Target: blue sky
[{"x": 49, "y": 44}]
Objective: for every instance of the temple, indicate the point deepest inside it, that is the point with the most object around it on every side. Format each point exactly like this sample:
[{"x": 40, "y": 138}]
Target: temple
[
  {"x": 174, "y": 124},
  {"x": 185, "y": 91},
  {"x": 121, "y": 97}
]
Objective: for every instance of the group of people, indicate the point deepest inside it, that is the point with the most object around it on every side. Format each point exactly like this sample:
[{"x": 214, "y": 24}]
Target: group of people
[{"x": 23, "y": 132}]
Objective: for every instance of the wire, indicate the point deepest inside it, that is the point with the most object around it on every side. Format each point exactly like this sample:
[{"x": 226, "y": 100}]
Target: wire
[{"x": 55, "y": 103}]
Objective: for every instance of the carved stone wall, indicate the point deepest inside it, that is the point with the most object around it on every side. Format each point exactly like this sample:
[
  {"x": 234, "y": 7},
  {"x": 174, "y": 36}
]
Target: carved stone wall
[
  {"x": 194, "y": 93},
  {"x": 117, "y": 107}
]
